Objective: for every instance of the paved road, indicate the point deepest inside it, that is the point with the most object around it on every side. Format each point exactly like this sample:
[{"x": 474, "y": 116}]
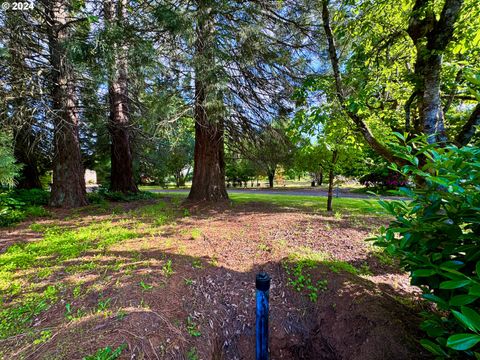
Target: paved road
[{"x": 342, "y": 193}]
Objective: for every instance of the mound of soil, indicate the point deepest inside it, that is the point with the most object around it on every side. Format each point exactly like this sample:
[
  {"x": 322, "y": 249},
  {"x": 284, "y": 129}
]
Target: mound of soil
[{"x": 352, "y": 319}]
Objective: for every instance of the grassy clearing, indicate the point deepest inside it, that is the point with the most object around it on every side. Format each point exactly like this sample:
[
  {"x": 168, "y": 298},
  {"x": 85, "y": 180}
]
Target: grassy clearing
[
  {"x": 353, "y": 206},
  {"x": 25, "y": 268},
  {"x": 89, "y": 255}
]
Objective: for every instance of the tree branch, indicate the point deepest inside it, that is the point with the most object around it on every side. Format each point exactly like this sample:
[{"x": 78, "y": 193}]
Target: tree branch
[
  {"x": 360, "y": 125},
  {"x": 407, "y": 107},
  {"x": 458, "y": 77},
  {"x": 468, "y": 129},
  {"x": 440, "y": 36}
]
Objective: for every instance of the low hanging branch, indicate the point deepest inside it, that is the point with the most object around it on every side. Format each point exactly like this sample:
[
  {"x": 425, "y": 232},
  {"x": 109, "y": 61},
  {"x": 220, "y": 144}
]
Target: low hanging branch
[
  {"x": 408, "y": 110},
  {"x": 468, "y": 129},
  {"x": 360, "y": 125}
]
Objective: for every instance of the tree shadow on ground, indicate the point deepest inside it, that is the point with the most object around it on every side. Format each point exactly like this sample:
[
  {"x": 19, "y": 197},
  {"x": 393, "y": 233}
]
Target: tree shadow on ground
[
  {"x": 171, "y": 299},
  {"x": 206, "y": 310}
]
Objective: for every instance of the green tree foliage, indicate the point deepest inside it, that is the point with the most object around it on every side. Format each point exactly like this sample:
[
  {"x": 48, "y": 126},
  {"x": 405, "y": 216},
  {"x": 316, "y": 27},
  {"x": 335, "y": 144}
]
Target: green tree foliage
[
  {"x": 181, "y": 143},
  {"x": 436, "y": 236},
  {"x": 269, "y": 149},
  {"x": 239, "y": 170},
  {"x": 393, "y": 61},
  {"x": 8, "y": 166},
  {"x": 326, "y": 143}
]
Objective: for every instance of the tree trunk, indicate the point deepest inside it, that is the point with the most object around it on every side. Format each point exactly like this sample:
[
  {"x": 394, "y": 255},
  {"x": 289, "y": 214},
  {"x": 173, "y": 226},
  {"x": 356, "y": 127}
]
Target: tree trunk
[
  {"x": 29, "y": 177},
  {"x": 271, "y": 176},
  {"x": 177, "y": 179},
  {"x": 320, "y": 178},
  {"x": 331, "y": 177},
  {"x": 431, "y": 36},
  {"x": 208, "y": 182},
  {"x": 468, "y": 129},
  {"x": 68, "y": 189},
  {"x": 121, "y": 178},
  {"x": 431, "y": 119}
]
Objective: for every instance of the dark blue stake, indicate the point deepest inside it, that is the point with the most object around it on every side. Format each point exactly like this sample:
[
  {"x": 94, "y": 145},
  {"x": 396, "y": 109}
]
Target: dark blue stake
[{"x": 262, "y": 283}]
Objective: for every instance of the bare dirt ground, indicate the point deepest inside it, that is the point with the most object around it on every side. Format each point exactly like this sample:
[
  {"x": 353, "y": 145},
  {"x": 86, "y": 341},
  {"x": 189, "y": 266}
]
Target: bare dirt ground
[{"x": 185, "y": 288}]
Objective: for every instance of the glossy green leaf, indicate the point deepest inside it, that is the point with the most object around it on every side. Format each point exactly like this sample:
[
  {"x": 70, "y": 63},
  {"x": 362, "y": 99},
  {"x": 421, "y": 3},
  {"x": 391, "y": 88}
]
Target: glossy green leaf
[
  {"x": 454, "y": 284},
  {"x": 463, "y": 341},
  {"x": 459, "y": 300}
]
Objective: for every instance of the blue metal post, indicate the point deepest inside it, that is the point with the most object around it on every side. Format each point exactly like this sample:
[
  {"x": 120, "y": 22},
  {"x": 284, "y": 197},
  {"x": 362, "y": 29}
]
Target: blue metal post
[{"x": 262, "y": 284}]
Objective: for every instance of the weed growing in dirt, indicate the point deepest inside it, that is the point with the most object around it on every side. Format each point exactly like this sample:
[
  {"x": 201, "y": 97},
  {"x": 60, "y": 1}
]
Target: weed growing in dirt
[
  {"x": 192, "y": 328},
  {"x": 37, "y": 227},
  {"x": 59, "y": 245},
  {"x": 167, "y": 268},
  {"x": 213, "y": 260},
  {"x": 197, "y": 264},
  {"x": 188, "y": 282},
  {"x": 301, "y": 280},
  {"x": 45, "y": 335},
  {"x": 121, "y": 314},
  {"x": 192, "y": 354},
  {"x": 382, "y": 256},
  {"x": 145, "y": 287},
  {"x": 283, "y": 243},
  {"x": 157, "y": 213},
  {"x": 103, "y": 304},
  {"x": 71, "y": 315},
  {"x": 106, "y": 353},
  {"x": 264, "y": 247},
  {"x": 335, "y": 265},
  {"x": 338, "y": 266},
  {"x": 15, "y": 319},
  {"x": 196, "y": 234}
]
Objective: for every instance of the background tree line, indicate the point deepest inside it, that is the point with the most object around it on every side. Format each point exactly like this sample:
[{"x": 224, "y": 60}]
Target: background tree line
[{"x": 137, "y": 90}]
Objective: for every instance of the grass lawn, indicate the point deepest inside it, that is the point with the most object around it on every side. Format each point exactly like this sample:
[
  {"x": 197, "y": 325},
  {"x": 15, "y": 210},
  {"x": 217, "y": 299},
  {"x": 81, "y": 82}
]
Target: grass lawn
[
  {"x": 355, "y": 206},
  {"x": 160, "y": 278}
]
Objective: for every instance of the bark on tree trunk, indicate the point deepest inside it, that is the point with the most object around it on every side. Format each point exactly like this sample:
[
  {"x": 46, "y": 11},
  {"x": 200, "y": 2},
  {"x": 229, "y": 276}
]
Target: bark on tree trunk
[
  {"x": 271, "y": 176},
  {"x": 29, "y": 177},
  {"x": 208, "y": 182},
  {"x": 331, "y": 177},
  {"x": 68, "y": 189},
  {"x": 468, "y": 129},
  {"x": 429, "y": 104},
  {"x": 121, "y": 177},
  {"x": 181, "y": 180},
  {"x": 431, "y": 37},
  {"x": 320, "y": 178}
]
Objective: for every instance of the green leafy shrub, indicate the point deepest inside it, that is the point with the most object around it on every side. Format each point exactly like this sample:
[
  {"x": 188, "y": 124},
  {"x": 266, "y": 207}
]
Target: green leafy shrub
[
  {"x": 10, "y": 216},
  {"x": 16, "y": 205},
  {"x": 96, "y": 197},
  {"x": 436, "y": 236},
  {"x": 383, "y": 179},
  {"x": 31, "y": 196}
]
